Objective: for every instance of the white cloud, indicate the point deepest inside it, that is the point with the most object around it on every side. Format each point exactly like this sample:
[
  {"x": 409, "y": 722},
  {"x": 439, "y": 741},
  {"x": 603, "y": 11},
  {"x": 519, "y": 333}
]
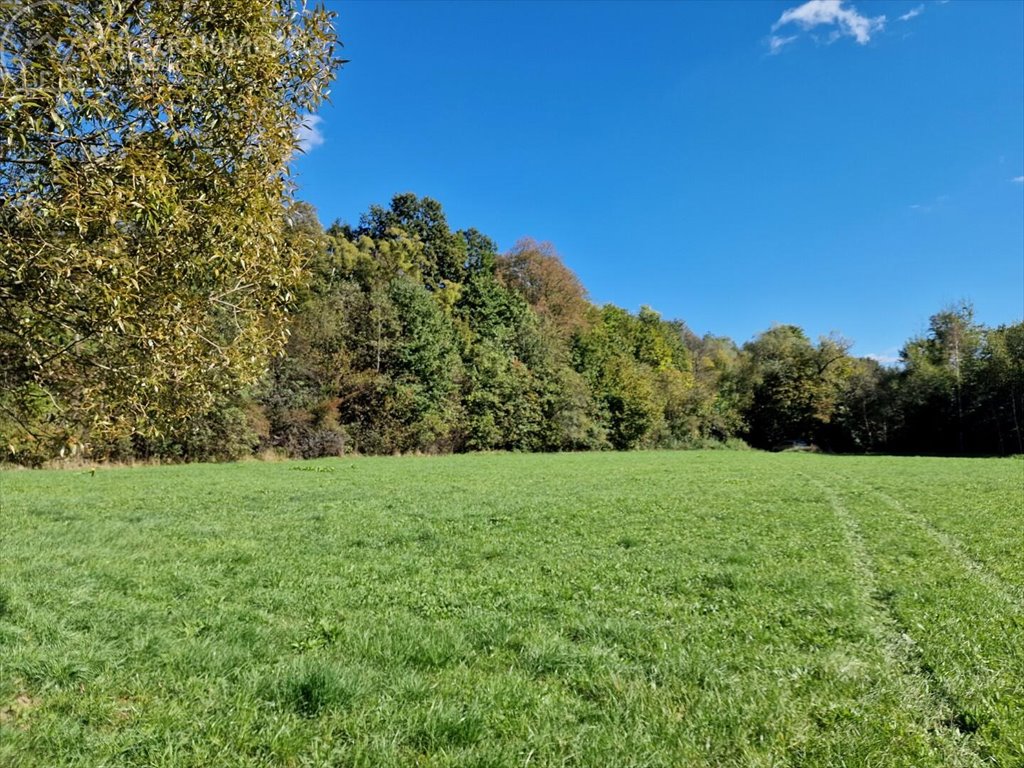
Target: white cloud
[
  {"x": 913, "y": 13},
  {"x": 815, "y": 13},
  {"x": 777, "y": 43},
  {"x": 1018, "y": 179},
  {"x": 308, "y": 133}
]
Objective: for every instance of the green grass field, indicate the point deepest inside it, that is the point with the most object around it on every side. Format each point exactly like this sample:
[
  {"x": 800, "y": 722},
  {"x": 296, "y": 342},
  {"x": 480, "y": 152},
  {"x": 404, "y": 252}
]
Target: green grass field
[{"x": 638, "y": 609}]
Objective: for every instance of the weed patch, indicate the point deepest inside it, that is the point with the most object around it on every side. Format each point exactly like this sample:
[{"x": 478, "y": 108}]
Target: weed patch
[{"x": 310, "y": 686}]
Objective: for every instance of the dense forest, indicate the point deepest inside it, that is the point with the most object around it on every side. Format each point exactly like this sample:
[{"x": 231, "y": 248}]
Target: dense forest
[{"x": 410, "y": 337}]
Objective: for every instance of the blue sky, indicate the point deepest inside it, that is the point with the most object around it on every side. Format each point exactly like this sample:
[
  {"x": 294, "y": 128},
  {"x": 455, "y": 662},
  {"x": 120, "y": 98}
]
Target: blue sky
[{"x": 730, "y": 164}]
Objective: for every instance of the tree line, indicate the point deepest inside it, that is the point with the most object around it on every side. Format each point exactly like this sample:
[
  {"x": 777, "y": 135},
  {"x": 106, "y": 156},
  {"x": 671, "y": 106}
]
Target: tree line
[{"x": 407, "y": 336}]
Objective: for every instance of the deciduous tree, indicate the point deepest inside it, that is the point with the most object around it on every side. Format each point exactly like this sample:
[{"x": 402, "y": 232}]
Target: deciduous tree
[
  {"x": 538, "y": 273},
  {"x": 143, "y": 190}
]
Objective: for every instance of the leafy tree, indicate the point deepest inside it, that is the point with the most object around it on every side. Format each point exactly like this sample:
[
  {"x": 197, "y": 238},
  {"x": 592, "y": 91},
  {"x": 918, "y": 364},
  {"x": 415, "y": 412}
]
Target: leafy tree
[
  {"x": 379, "y": 347},
  {"x": 605, "y": 354},
  {"x": 866, "y": 416},
  {"x": 1001, "y": 387},
  {"x": 488, "y": 310},
  {"x": 651, "y": 345},
  {"x": 371, "y": 367},
  {"x": 302, "y": 394},
  {"x": 716, "y": 399},
  {"x": 501, "y": 345},
  {"x": 537, "y": 272},
  {"x": 939, "y": 368},
  {"x": 630, "y": 399},
  {"x": 502, "y": 400},
  {"x": 143, "y": 264},
  {"x": 423, "y": 219},
  {"x": 573, "y": 415},
  {"x": 425, "y": 362},
  {"x": 791, "y": 384},
  {"x": 481, "y": 253}
]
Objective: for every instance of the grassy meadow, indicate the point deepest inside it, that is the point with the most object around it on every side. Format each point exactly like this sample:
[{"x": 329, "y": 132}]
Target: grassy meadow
[{"x": 610, "y": 609}]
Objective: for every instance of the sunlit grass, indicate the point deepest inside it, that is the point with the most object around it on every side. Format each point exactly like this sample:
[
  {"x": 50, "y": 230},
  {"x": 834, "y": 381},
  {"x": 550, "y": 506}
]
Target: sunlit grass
[{"x": 643, "y": 609}]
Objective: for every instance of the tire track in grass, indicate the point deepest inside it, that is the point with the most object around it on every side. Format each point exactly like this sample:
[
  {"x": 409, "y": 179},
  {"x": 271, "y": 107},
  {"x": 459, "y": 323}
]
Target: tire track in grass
[
  {"x": 968, "y": 638},
  {"x": 899, "y": 649},
  {"x": 1009, "y": 593}
]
